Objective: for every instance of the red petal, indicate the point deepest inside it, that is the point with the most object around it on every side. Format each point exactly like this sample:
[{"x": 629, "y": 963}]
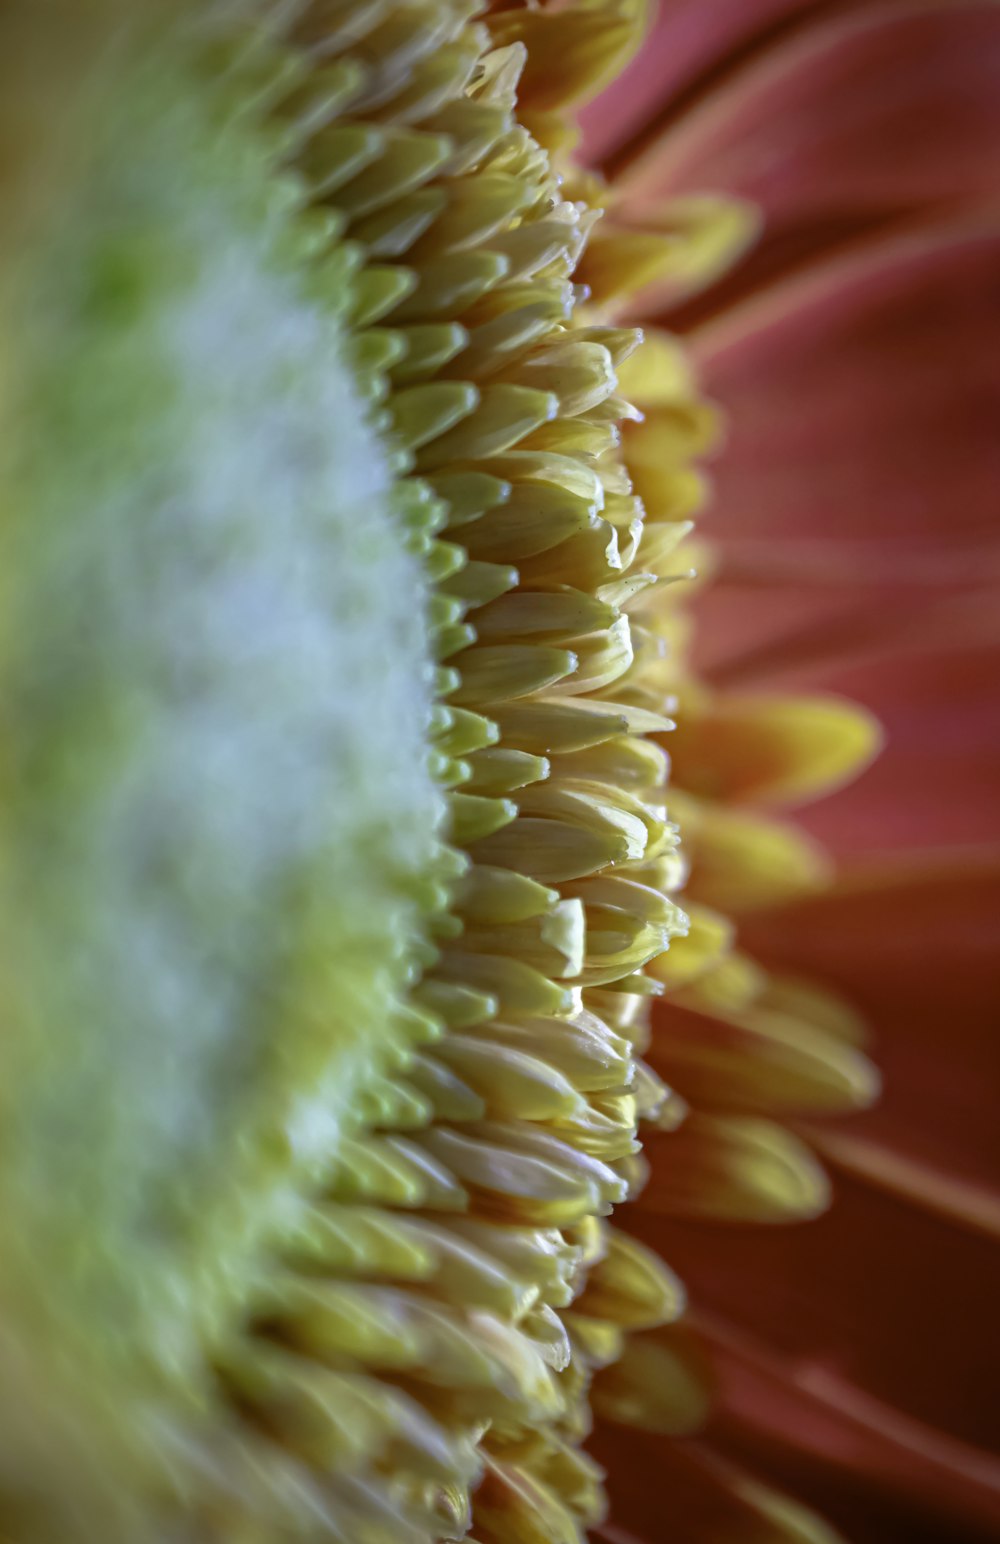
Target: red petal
[
  {"x": 878, "y": 1294},
  {"x": 684, "y": 1491},
  {"x": 878, "y": 1474}
]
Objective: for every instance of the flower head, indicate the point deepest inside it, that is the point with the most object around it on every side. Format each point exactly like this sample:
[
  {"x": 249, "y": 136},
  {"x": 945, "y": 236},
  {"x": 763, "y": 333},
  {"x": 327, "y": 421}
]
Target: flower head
[{"x": 343, "y": 511}]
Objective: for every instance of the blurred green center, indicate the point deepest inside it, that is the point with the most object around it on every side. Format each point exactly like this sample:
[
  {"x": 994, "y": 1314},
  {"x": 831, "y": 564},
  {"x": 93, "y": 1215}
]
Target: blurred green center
[{"x": 215, "y": 690}]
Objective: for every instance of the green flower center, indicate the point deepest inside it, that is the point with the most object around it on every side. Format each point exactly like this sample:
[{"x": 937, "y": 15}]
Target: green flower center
[{"x": 216, "y": 684}]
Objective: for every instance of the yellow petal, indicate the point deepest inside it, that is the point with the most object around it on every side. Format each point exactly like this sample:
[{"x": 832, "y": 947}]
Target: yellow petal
[
  {"x": 760, "y": 1062},
  {"x": 814, "y": 1005},
  {"x": 742, "y": 861},
  {"x": 709, "y": 231},
  {"x": 631, "y": 1286},
  {"x": 673, "y": 431},
  {"x": 618, "y": 262},
  {"x": 733, "y": 985},
  {"x": 514, "y": 1508},
  {"x": 572, "y": 53},
  {"x": 658, "y": 373},
  {"x": 662, "y": 1383},
  {"x": 735, "y": 1169},
  {"x": 775, "y": 750},
  {"x": 709, "y": 937}
]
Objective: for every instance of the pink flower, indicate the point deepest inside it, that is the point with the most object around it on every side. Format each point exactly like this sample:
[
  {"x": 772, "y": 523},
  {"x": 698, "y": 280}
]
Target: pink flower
[{"x": 855, "y": 353}]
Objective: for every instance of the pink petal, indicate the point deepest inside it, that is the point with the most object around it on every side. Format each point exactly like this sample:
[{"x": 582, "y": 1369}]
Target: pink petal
[
  {"x": 855, "y": 518},
  {"x": 928, "y": 671},
  {"x": 859, "y": 1353},
  {"x": 688, "y": 38},
  {"x": 879, "y": 108},
  {"x": 914, "y": 946},
  {"x": 857, "y": 1362},
  {"x": 862, "y": 402},
  {"x": 869, "y": 1291},
  {"x": 936, "y": 782}
]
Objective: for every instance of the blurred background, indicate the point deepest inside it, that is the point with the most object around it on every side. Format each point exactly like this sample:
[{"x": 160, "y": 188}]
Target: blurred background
[{"x": 838, "y": 167}]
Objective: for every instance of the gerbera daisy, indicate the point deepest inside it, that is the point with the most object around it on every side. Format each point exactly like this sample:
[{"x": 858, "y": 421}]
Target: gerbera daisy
[
  {"x": 852, "y": 355},
  {"x": 338, "y": 867}
]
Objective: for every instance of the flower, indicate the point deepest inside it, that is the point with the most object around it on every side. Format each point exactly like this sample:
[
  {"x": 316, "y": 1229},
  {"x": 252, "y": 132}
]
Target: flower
[
  {"x": 339, "y": 853},
  {"x": 853, "y": 552},
  {"x": 317, "y": 1076}
]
